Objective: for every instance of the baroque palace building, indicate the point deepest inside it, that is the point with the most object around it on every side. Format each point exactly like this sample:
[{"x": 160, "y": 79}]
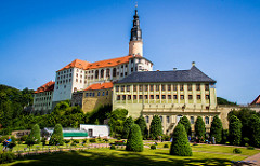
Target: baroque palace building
[{"x": 129, "y": 82}]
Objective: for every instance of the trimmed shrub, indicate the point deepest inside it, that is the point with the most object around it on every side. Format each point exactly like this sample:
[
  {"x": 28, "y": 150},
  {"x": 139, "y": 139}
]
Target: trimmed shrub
[
  {"x": 250, "y": 148},
  {"x": 76, "y": 141},
  {"x": 7, "y": 157},
  {"x": 180, "y": 145},
  {"x": 186, "y": 123},
  {"x": 166, "y": 145},
  {"x": 36, "y": 133},
  {"x": 153, "y": 147},
  {"x": 254, "y": 123},
  {"x": 85, "y": 140},
  {"x": 113, "y": 147},
  {"x": 141, "y": 122},
  {"x": 200, "y": 128},
  {"x": 236, "y": 150},
  {"x": 126, "y": 128},
  {"x": 73, "y": 144},
  {"x": 135, "y": 140},
  {"x": 92, "y": 140},
  {"x": 216, "y": 129},
  {"x": 57, "y": 136},
  {"x": 156, "y": 127},
  {"x": 195, "y": 144},
  {"x": 235, "y": 130}
]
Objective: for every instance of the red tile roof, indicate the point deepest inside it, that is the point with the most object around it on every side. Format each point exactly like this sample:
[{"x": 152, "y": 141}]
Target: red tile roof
[
  {"x": 48, "y": 87},
  {"x": 99, "y": 86},
  {"x": 86, "y": 65},
  {"x": 256, "y": 101}
]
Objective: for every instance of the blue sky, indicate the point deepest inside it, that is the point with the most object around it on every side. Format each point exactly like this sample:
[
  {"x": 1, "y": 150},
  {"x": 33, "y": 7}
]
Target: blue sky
[{"x": 222, "y": 36}]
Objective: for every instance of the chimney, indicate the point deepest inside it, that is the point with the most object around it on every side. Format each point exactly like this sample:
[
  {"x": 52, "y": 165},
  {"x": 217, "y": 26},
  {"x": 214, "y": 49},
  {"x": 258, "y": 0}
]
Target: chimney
[{"x": 193, "y": 63}]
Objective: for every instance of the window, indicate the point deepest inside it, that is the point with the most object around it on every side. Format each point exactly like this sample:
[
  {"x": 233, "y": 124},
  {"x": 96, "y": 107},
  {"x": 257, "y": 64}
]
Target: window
[
  {"x": 90, "y": 94},
  {"x": 121, "y": 74},
  {"x": 169, "y": 96},
  {"x": 145, "y": 88},
  {"x": 123, "y": 88},
  {"x": 157, "y": 96},
  {"x": 123, "y": 97},
  {"x": 75, "y": 89},
  {"x": 190, "y": 97},
  {"x": 134, "y": 88},
  {"x": 107, "y": 73},
  {"x": 169, "y": 87},
  {"x": 129, "y": 97},
  {"x": 147, "y": 119},
  {"x": 151, "y": 88},
  {"x": 102, "y": 73},
  {"x": 181, "y": 87},
  {"x": 189, "y": 87},
  {"x": 207, "y": 97},
  {"x": 86, "y": 94},
  {"x": 77, "y": 75},
  {"x": 207, "y": 108},
  {"x": 93, "y": 94},
  {"x": 163, "y": 87},
  {"x": 118, "y": 97},
  {"x": 107, "y": 93},
  {"x": 114, "y": 72},
  {"x": 163, "y": 97},
  {"x": 175, "y": 97},
  {"x": 175, "y": 87},
  {"x": 192, "y": 119},
  {"x": 161, "y": 118},
  {"x": 77, "y": 80},
  {"x": 206, "y": 87},
  {"x": 140, "y": 88},
  {"x": 198, "y": 97},
  {"x": 117, "y": 88},
  {"x": 207, "y": 120},
  {"x": 134, "y": 97},
  {"x": 151, "y": 96},
  {"x": 140, "y": 97},
  {"x": 157, "y": 88},
  {"x": 80, "y": 76},
  {"x": 128, "y": 88},
  {"x": 97, "y": 74},
  {"x": 98, "y": 94},
  {"x": 168, "y": 119},
  {"x": 182, "y": 97},
  {"x": 197, "y": 87},
  {"x": 145, "y": 96},
  {"x": 64, "y": 86}
]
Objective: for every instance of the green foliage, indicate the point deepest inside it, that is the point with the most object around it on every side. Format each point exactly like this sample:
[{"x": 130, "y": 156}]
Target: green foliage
[
  {"x": 225, "y": 135},
  {"x": 250, "y": 148},
  {"x": 57, "y": 136},
  {"x": 166, "y": 145},
  {"x": 126, "y": 128},
  {"x": 92, "y": 140},
  {"x": 237, "y": 151},
  {"x": 141, "y": 122},
  {"x": 153, "y": 147},
  {"x": 165, "y": 137},
  {"x": 85, "y": 140},
  {"x": 222, "y": 101},
  {"x": 116, "y": 121},
  {"x": 254, "y": 123},
  {"x": 195, "y": 144},
  {"x": 156, "y": 127},
  {"x": 216, "y": 129},
  {"x": 200, "y": 128},
  {"x": 235, "y": 132},
  {"x": 97, "y": 116},
  {"x": 24, "y": 137},
  {"x": 180, "y": 145},
  {"x": 67, "y": 141},
  {"x": 36, "y": 133},
  {"x": 7, "y": 157},
  {"x": 135, "y": 140},
  {"x": 187, "y": 125},
  {"x": 113, "y": 147}
]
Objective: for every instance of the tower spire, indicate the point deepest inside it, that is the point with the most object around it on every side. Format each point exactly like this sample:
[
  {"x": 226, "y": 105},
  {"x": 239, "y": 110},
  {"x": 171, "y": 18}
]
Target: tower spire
[{"x": 136, "y": 32}]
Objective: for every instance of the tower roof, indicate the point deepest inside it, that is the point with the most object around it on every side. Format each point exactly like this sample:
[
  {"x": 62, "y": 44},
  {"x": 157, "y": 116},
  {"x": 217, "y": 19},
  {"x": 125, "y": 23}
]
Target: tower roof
[{"x": 136, "y": 32}]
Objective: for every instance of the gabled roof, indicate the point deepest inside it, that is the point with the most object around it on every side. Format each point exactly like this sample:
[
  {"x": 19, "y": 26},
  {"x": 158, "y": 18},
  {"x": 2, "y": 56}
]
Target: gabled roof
[
  {"x": 48, "y": 87},
  {"x": 78, "y": 63},
  {"x": 99, "y": 86},
  {"x": 257, "y": 100},
  {"x": 192, "y": 75}
]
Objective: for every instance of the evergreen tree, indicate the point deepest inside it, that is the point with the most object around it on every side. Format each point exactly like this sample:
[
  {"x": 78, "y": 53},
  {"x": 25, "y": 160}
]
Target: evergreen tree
[
  {"x": 156, "y": 127},
  {"x": 216, "y": 129},
  {"x": 235, "y": 132},
  {"x": 36, "y": 133},
  {"x": 187, "y": 125},
  {"x": 141, "y": 122},
  {"x": 135, "y": 140},
  {"x": 200, "y": 128},
  {"x": 57, "y": 135},
  {"x": 126, "y": 128},
  {"x": 255, "y": 131},
  {"x": 180, "y": 145}
]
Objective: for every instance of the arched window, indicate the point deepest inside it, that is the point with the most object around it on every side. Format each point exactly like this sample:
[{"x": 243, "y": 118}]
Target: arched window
[
  {"x": 102, "y": 73},
  {"x": 96, "y": 74},
  {"x": 114, "y": 72},
  {"x": 107, "y": 73},
  {"x": 207, "y": 120}
]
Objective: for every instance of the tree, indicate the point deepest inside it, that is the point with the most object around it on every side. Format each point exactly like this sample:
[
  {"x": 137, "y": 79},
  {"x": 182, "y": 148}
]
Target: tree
[
  {"x": 180, "y": 145},
  {"x": 135, "y": 140},
  {"x": 216, "y": 129},
  {"x": 200, "y": 128},
  {"x": 126, "y": 128},
  {"x": 222, "y": 101},
  {"x": 141, "y": 122},
  {"x": 116, "y": 121},
  {"x": 235, "y": 132},
  {"x": 156, "y": 127},
  {"x": 57, "y": 135},
  {"x": 36, "y": 133},
  {"x": 187, "y": 125},
  {"x": 255, "y": 131}
]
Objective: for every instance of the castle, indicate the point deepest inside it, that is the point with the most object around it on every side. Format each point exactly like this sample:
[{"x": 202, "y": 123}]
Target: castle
[{"x": 129, "y": 82}]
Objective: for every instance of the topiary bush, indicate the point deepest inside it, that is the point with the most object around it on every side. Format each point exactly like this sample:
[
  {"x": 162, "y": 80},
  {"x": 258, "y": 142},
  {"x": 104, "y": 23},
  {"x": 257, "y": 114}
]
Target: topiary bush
[
  {"x": 57, "y": 136},
  {"x": 236, "y": 150},
  {"x": 135, "y": 139},
  {"x": 166, "y": 145},
  {"x": 195, "y": 144},
  {"x": 6, "y": 157},
  {"x": 113, "y": 147},
  {"x": 85, "y": 140},
  {"x": 180, "y": 145},
  {"x": 153, "y": 147}
]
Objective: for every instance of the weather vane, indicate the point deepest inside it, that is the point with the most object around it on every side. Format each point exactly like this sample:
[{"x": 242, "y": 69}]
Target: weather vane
[{"x": 136, "y": 5}]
